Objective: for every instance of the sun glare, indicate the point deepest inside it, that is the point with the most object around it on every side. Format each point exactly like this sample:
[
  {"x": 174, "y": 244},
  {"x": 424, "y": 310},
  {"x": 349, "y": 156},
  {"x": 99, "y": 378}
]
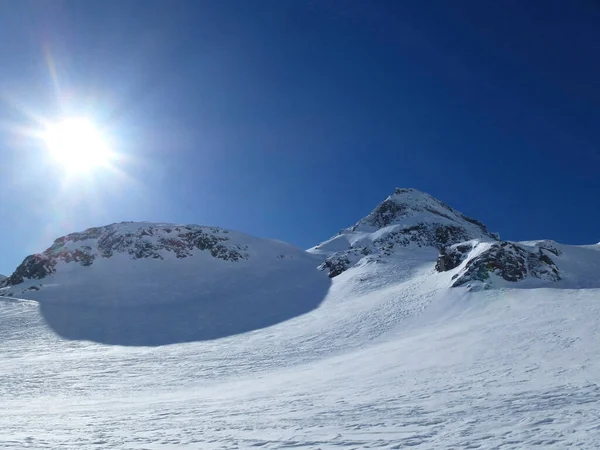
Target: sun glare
[{"x": 77, "y": 145}]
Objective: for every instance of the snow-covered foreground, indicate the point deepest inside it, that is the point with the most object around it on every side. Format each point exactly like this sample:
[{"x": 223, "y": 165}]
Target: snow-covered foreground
[{"x": 390, "y": 359}]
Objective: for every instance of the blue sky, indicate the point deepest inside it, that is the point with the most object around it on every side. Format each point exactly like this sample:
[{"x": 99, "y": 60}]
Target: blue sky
[{"x": 293, "y": 119}]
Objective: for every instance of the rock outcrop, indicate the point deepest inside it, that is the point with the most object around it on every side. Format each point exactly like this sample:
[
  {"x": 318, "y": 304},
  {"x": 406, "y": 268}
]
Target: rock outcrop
[
  {"x": 136, "y": 240},
  {"x": 452, "y": 257},
  {"x": 510, "y": 261}
]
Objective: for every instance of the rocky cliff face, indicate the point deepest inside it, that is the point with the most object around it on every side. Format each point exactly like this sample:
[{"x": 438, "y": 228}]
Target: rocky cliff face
[
  {"x": 510, "y": 261},
  {"x": 407, "y": 219},
  {"x": 136, "y": 240}
]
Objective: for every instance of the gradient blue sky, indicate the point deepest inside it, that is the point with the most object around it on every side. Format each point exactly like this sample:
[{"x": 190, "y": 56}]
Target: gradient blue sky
[{"x": 293, "y": 119}]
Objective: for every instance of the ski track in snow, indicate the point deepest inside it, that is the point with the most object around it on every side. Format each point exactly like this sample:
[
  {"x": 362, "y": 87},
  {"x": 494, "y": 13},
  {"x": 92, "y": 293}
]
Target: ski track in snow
[{"x": 389, "y": 360}]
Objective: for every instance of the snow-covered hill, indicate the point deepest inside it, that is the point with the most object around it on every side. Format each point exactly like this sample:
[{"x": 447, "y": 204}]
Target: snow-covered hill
[
  {"x": 434, "y": 335},
  {"x": 194, "y": 282},
  {"x": 131, "y": 262}
]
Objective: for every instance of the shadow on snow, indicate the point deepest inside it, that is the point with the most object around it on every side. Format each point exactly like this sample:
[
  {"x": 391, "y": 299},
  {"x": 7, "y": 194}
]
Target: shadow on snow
[{"x": 202, "y": 312}]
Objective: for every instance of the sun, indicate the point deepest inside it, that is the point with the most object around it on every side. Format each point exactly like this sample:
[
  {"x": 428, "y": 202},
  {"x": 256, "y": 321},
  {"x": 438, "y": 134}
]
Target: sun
[{"x": 78, "y": 145}]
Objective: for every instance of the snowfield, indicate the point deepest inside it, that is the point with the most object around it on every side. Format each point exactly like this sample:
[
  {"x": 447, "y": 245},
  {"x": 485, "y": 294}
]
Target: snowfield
[
  {"x": 390, "y": 359},
  {"x": 161, "y": 336}
]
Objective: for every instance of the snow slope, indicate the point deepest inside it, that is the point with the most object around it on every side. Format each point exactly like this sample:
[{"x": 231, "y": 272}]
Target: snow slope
[
  {"x": 411, "y": 364},
  {"x": 383, "y": 355}
]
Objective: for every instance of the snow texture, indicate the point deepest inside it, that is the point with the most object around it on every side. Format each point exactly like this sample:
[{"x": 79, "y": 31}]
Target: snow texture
[{"x": 384, "y": 355}]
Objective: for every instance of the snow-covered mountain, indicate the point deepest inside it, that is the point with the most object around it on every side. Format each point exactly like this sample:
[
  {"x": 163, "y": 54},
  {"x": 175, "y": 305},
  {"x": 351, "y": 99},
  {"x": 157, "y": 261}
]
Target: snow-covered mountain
[
  {"x": 145, "y": 261},
  {"x": 410, "y": 221},
  {"x": 407, "y": 222},
  {"x": 421, "y": 330},
  {"x": 195, "y": 283}
]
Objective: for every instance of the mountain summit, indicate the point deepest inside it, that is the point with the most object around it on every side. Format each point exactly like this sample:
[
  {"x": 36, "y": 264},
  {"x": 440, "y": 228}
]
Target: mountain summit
[
  {"x": 409, "y": 219},
  {"x": 409, "y": 207}
]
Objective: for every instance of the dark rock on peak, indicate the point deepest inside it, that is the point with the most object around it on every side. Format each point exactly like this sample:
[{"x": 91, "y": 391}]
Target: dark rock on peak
[
  {"x": 385, "y": 213},
  {"x": 407, "y": 218},
  {"x": 408, "y": 204}
]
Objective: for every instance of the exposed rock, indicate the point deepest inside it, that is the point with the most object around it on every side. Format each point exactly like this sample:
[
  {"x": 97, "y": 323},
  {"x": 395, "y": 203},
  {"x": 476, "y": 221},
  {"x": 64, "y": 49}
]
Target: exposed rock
[
  {"x": 452, "y": 257},
  {"x": 422, "y": 235},
  {"x": 543, "y": 267},
  {"x": 508, "y": 260},
  {"x": 336, "y": 265},
  {"x": 138, "y": 241},
  {"x": 385, "y": 213},
  {"x": 549, "y": 246},
  {"x": 33, "y": 266},
  {"x": 434, "y": 235}
]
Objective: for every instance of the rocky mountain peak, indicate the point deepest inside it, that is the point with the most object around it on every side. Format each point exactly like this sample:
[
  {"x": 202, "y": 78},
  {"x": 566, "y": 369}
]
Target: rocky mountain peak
[
  {"x": 408, "y": 218},
  {"x": 408, "y": 206}
]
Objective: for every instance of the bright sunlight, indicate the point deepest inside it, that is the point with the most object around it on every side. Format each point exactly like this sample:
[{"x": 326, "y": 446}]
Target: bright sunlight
[{"x": 78, "y": 145}]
